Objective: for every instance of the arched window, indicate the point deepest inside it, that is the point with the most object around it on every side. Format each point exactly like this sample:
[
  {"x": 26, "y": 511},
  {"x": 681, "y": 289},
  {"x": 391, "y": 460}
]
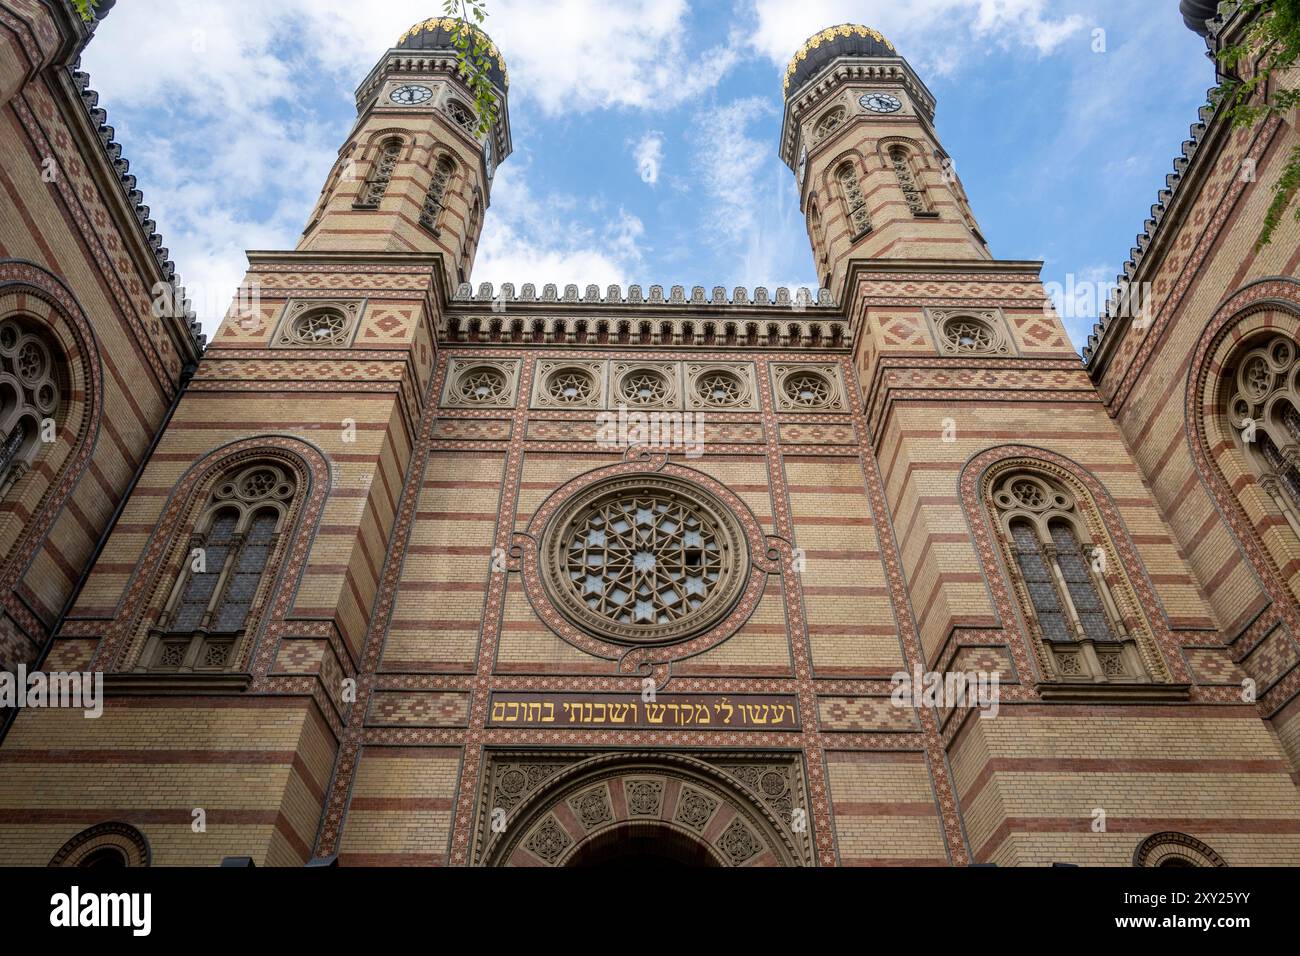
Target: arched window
[
  {"x": 855, "y": 203},
  {"x": 913, "y": 191},
  {"x": 1060, "y": 574},
  {"x": 1264, "y": 411},
  {"x": 817, "y": 234},
  {"x": 382, "y": 174},
  {"x": 31, "y": 393},
  {"x": 462, "y": 116},
  {"x": 433, "y": 200},
  {"x": 219, "y": 593},
  {"x": 832, "y": 121},
  {"x": 471, "y": 237}
]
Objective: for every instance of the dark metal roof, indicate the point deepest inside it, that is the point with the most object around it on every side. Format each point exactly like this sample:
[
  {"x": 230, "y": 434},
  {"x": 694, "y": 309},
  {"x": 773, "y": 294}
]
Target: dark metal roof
[
  {"x": 436, "y": 34},
  {"x": 1196, "y": 12},
  {"x": 847, "y": 39}
]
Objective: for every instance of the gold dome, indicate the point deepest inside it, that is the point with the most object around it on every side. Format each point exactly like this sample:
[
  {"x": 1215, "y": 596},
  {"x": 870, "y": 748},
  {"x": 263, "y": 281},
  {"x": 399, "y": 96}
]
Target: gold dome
[
  {"x": 822, "y": 47},
  {"x": 436, "y": 34}
]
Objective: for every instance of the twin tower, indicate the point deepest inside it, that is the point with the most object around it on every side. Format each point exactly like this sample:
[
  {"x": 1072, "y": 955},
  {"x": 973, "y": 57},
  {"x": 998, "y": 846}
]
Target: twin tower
[{"x": 416, "y": 173}]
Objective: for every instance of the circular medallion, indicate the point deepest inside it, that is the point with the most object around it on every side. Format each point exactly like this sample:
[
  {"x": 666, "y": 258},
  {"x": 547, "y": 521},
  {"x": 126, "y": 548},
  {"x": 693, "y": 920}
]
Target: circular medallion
[{"x": 644, "y": 559}]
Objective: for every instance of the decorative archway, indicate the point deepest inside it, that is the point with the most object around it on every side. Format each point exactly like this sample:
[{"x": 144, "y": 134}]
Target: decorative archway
[
  {"x": 168, "y": 546},
  {"x": 639, "y": 808},
  {"x": 1172, "y": 848},
  {"x": 106, "y": 845},
  {"x": 1262, "y": 309},
  {"x": 34, "y": 295}
]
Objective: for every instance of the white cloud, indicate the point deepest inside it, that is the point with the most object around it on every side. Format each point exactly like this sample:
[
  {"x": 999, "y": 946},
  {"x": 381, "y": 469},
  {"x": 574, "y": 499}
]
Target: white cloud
[
  {"x": 565, "y": 55},
  {"x": 751, "y": 210},
  {"x": 649, "y": 155},
  {"x": 537, "y": 239},
  {"x": 243, "y": 85},
  {"x": 924, "y": 31}
]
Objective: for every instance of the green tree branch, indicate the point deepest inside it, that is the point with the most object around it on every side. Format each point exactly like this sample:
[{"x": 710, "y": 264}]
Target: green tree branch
[
  {"x": 1275, "y": 39},
  {"x": 472, "y": 54}
]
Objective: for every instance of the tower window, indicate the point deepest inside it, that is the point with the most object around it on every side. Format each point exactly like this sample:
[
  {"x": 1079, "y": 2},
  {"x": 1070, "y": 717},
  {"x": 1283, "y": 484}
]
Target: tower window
[
  {"x": 381, "y": 175},
  {"x": 913, "y": 192},
  {"x": 855, "y": 202},
  {"x": 462, "y": 116},
  {"x": 436, "y": 196}
]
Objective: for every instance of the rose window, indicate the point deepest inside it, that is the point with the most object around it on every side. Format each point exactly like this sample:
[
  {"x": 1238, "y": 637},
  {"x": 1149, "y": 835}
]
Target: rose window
[
  {"x": 645, "y": 560},
  {"x": 571, "y": 386},
  {"x": 30, "y": 392},
  {"x": 323, "y": 327},
  {"x": 645, "y": 387},
  {"x": 719, "y": 388},
  {"x": 968, "y": 335},
  {"x": 483, "y": 386},
  {"x": 808, "y": 389}
]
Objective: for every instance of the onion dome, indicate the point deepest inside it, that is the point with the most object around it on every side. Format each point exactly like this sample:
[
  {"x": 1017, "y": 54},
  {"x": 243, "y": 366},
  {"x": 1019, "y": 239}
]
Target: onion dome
[
  {"x": 1196, "y": 12},
  {"x": 847, "y": 39},
  {"x": 437, "y": 33}
]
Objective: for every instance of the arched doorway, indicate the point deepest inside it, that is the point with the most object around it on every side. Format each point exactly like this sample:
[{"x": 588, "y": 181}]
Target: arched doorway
[
  {"x": 642, "y": 846},
  {"x": 641, "y": 809}
]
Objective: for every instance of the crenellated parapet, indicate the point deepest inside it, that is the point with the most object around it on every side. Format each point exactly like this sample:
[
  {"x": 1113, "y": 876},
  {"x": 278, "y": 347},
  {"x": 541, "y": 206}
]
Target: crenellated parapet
[{"x": 636, "y": 295}]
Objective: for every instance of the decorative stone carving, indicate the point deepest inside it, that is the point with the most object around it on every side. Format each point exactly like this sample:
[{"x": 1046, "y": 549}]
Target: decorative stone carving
[
  {"x": 808, "y": 388},
  {"x": 644, "y": 559},
  {"x": 592, "y": 807},
  {"x": 318, "y": 323},
  {"x": 970, "y": 331},
  {"x": 481, "y": 383},
  {"x": 548, "y": 841},
  {"x": 738, "y": 843},
  {"x": 694, "y": 809},
  {"x": 645, "y": 385},
  {"x": 644, "y": 797},
  {"x": 587, "y": 794},
  {"x": 720, "y": 386},
  {"x": 560, "y": 384}
]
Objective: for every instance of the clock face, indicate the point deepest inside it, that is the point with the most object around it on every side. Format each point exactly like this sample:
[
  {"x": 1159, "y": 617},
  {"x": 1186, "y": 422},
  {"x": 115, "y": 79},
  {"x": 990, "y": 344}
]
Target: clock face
[
  {"x": 880, "y": 102},
  {"x": 410, "y": 95},
  {"x": 489, "y": 159},
  {"x": 803, "y": 165}
]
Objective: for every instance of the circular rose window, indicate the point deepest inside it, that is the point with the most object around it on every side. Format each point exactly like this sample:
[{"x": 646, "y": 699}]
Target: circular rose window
[{"x": 644, "y": 559}]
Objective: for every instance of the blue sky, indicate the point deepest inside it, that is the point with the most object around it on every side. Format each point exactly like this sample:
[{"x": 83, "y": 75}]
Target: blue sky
[{"x": 646, "y": 132}]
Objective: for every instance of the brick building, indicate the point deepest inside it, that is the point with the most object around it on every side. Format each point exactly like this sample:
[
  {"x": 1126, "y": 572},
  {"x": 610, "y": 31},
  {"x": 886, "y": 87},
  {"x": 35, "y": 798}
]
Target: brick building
[{"x": 409, "y": 573}]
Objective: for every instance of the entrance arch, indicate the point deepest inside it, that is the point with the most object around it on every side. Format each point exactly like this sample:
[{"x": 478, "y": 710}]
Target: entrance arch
[
  {"x": 636, "y": 809},
  {"x": 648, "y": 845}
]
